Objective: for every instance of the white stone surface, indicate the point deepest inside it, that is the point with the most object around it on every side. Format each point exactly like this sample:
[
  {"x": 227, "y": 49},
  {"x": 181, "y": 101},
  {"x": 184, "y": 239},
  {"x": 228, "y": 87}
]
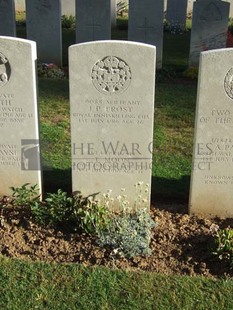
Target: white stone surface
[
  {"x": 211, "y": 191},
  {"x": 19, "y": 134},
  {"x": 209, "y": 27},
  {"x": 93, "y": 20},
  {"x": 176, "y": 13},
  {"x": 7, "y": 18},
  {"x": 112, "y": 108},
  {"x": 44, "y": 27},
  {"x": 146, "y": 24}
]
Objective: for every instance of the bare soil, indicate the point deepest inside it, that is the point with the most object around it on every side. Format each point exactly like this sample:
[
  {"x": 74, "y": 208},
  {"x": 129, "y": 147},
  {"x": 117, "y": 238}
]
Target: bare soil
[{"x": 181, "y": 244}]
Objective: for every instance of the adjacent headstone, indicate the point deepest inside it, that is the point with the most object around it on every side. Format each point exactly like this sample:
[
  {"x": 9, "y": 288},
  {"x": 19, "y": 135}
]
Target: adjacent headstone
[
  {"x": 7, "y": 18},
  {"x": 93, "y": 20},
  {"x": 212, "y": 175},
  {"x": 44, "y": 27},
  {"x": 112, "y": 103},
  {"x": 176, "y": 14},
  {"x": 190, "y": 7},
  {"x": 209, "y": 27},
  {"x": 146, "y": 24},
  {"x": 113, "y": 13},
  {"x": 19, "y": 134}
]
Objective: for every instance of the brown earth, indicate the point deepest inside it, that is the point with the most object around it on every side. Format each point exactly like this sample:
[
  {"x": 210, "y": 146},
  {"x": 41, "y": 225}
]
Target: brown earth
[{"x": 180, "y": 244}]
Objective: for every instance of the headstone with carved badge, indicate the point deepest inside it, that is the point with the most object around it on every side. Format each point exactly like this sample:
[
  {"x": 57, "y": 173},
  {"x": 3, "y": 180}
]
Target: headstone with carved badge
[{"x": 112, "y": 104}]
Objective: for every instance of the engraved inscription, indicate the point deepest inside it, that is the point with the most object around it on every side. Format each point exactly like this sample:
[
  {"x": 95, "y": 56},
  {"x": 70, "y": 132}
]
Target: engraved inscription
[
  {"x": 112, "y": 111},
  {"x": 10, "y": 155},
  {"x": 4, "y": 70},
  {"x": 228, "y": 83},
  {"x": 111, "y": 75},
  {"x": 10, "y": 113}
]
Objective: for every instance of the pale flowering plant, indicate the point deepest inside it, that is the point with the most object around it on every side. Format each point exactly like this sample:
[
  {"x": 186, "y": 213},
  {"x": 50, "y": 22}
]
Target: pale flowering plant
[{"x": 129, "y": 231}]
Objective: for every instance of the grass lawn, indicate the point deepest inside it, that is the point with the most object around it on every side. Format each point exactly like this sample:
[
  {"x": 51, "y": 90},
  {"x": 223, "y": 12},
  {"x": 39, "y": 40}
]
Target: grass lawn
[{"x": 25, "y": 285}]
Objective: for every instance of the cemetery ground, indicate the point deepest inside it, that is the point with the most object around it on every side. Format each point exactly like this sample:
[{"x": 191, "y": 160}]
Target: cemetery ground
[{"x": 180, "y": 273}]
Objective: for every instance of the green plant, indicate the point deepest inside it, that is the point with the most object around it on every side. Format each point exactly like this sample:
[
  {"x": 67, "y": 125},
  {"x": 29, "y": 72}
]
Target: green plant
[
  {"x": 76, "y": 212},
  {"x": 68, "y": 21},
  {"x": 191, "y": 73},
  {"x": 26, "y": 195},
  {"x": 230, "y": 26},
  {"x": 55, "y": 210},
  {"x": 224, "y": 244},
  {"x": 92, "y": 216}
]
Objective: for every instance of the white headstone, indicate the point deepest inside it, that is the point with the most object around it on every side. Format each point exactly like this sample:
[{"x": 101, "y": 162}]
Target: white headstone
[
  {"x": 44, "y": 27},
  {"x": 146, "y": 24},
  {"x": 7, "y": 18},
  {"x": 209, "y": 27},
  {"x": 176, "y": 13},
  {"x": 212, "y": 175},
  {"x": 93, "y": 20},
  {"x": 112, "y": 104},
  {"x": 19, "y": 134}
]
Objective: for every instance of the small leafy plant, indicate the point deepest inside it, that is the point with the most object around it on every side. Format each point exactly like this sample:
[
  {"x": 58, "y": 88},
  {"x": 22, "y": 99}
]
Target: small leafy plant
[
  {"x": 92, "y": 216},
  {"x": 191, "y": 73},
  {"x": 224, "y": 244},
  {"x": 77, "y": 213},
  {"x": 26, "y": 195},
  {"x": 68, "y": 22}
]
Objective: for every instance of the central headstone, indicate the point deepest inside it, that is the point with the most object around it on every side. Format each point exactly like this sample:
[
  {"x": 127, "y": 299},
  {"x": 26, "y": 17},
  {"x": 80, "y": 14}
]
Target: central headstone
[
  {"x": 19, "y": 133},
  {"x": 44, "y": 27},
  {"x": 93, "y": 20},
  {"x": 211, "y": 191},
  {"x": 112, "y": 104},
  {"x": 146, "y": 24},
  {"x": 209, "y": 27},
  {"x": 7, "y": 18}
]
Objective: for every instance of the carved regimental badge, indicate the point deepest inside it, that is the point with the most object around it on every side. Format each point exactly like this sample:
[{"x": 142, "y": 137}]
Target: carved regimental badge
[
  {"x": 111, "y": 75},
  {"x": 228, "y": 83},
  {"x": 4, "y": 70}
]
